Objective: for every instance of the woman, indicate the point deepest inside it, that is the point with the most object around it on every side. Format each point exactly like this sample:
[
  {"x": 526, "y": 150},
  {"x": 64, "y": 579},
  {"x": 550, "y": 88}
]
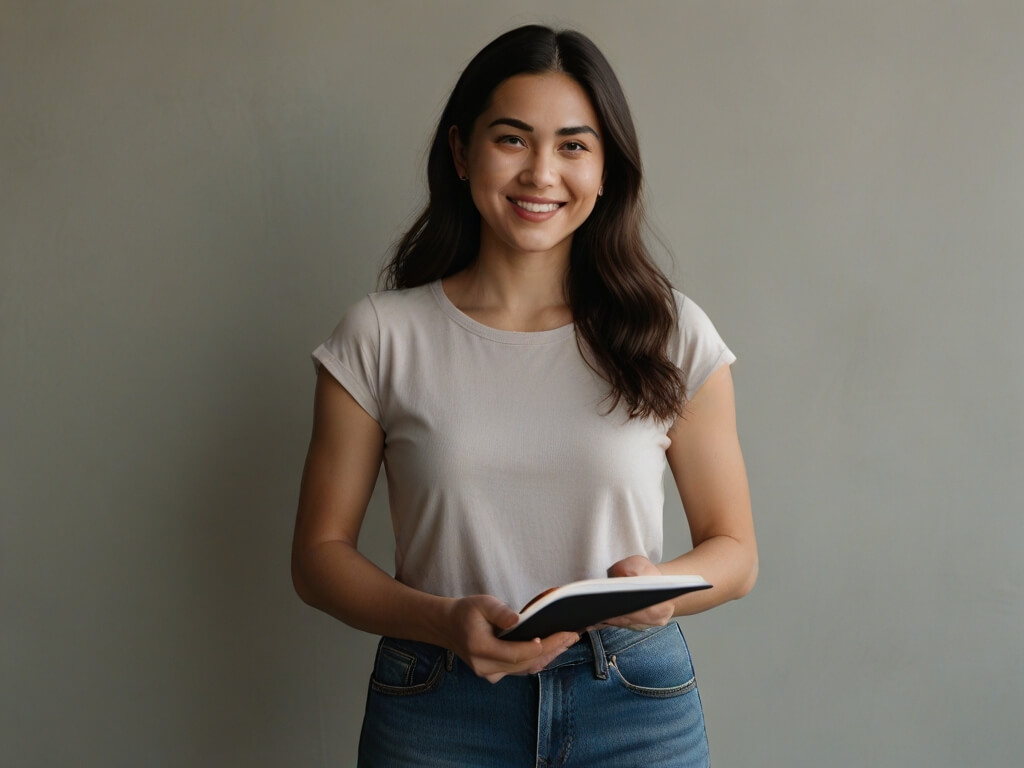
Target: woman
[{"x": 524, "y": 382}]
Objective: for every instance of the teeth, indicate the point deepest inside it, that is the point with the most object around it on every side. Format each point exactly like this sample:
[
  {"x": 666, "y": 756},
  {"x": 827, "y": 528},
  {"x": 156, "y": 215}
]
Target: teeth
[{"x": 537, "y": 207}]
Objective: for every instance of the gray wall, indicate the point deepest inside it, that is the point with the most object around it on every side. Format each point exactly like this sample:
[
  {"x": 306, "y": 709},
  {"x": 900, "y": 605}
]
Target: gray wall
[{"x": 190, "y": 194}]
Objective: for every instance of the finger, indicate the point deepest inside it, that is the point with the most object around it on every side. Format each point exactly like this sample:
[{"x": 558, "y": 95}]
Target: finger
[
  {"x": 553, "y": 646},
  {"x": 635, "y": 621},
  {"x": 510, "y": 655},
  {"x": 516, "y": 653},
  {"x": 567, "y": 639},
  {"x": 548, "y": 647},
  {"x": 499, "y": 614},
  {"x": 621, "y": 568},
  {"x": 542, "y": 662},
  {"x": 507, "y": 657},
  {"x": 634, "y": 565},
  {"x": 631, "y": 566}
]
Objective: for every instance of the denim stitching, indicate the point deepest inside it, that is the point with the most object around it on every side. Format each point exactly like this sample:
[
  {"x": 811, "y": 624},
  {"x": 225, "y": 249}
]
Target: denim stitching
[
  {"x": 570, "y": 726},
  {"x": 406, "y": 658},
  {"x": 657, "y": 693},
  {"x": 436, "y": 674}
]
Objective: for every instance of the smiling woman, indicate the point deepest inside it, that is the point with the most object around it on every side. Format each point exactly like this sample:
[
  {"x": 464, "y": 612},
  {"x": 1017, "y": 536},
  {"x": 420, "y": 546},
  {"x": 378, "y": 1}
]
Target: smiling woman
[
  {"x": 524, "y": 381},
  {"x": 535, "y": 164}
]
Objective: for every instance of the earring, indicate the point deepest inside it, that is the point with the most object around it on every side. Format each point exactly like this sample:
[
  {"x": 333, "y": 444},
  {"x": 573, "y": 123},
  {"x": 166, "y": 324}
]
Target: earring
[
  {"x": 600, "y": 190},
  {"x": 463, "y": 178}
]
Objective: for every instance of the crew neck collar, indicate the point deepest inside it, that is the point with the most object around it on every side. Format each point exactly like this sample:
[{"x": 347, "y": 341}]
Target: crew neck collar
[{"x": 496, "y": 334}]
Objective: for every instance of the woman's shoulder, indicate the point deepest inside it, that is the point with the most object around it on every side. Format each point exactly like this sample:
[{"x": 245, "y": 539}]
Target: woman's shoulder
[
  {"x": 402, "y": 300},
  {"x": 389, "y": 303},
  {"x": 399, "y": 306},
  {"x": 690, "y": 315},
  {"x": 380, "y": 314},
  {"x": 696, "y": 346},
  {"x": 377, "y": 312}
]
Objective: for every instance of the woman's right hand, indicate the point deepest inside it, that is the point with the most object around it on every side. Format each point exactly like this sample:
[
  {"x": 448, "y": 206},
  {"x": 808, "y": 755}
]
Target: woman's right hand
[{"x": 472, "y": 623}]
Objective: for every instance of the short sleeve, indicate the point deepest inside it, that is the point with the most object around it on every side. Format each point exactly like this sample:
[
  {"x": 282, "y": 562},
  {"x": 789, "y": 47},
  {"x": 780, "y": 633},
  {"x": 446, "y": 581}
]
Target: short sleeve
[
  {"x": 697, "y": 348},
  {"x": 351, "y": 355}
]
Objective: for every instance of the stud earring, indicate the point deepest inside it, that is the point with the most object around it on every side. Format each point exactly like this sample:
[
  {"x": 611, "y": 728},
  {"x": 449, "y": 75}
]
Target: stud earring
[
  {"x": 600, "y": 190},
  {"x": 463, "y": 178}
]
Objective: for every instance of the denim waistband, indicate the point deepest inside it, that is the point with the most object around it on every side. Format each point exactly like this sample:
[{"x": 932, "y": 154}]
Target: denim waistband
[{"x": 596, "y": 646}]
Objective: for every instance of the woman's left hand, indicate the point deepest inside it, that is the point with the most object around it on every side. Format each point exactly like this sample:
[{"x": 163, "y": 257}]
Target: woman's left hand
[{"x": 653, "y": 616}]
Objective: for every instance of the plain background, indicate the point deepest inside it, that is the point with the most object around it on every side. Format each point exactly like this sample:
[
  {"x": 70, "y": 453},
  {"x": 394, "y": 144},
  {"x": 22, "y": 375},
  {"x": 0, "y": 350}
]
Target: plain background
[{"x": 191, "y": 193}]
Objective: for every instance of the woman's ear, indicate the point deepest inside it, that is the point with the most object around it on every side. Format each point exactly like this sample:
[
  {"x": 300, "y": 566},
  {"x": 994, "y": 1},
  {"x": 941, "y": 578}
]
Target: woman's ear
[{"x": 458, "y": 153}]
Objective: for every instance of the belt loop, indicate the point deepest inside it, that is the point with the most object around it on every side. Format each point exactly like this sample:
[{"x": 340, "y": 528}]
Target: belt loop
[{"x": 600, "y": 660}]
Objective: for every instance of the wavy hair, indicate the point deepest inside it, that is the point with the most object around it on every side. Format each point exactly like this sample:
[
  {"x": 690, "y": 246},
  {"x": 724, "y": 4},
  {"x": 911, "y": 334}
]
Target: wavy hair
[{"x": 622, "y": 305}]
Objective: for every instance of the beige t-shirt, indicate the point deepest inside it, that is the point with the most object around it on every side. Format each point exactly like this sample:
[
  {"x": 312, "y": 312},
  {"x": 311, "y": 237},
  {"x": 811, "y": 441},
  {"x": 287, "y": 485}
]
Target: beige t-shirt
[{"x": 506, "y": 475}]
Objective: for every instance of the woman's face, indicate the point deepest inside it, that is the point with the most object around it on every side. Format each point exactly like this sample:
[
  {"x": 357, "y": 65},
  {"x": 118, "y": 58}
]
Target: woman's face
[{"x": 535, "y": 163}]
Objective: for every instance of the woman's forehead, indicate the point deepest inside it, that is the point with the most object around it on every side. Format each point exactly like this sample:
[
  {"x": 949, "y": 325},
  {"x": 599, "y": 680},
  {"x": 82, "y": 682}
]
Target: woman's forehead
[{"x": 549, "y": 98}]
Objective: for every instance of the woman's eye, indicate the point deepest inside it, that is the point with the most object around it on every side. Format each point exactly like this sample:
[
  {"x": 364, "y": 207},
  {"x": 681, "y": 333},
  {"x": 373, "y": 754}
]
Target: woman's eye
[
  {"x": 513, "y": 140},
  {"x": 574, "y": 146}
]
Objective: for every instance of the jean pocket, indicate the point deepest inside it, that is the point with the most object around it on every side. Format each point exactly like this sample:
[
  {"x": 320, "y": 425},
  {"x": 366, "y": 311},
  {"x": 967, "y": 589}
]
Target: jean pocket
[
  {"x": 658, "y": 666},
  {"x": 404, "y": 668}
]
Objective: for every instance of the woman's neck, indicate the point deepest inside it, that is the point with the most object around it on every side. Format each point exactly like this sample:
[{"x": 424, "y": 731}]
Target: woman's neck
[{"x": 520, "y": 294}]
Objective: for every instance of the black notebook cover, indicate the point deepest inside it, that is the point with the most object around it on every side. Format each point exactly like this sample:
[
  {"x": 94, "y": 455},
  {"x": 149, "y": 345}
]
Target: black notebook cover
[{"x": 581, "y": 604}]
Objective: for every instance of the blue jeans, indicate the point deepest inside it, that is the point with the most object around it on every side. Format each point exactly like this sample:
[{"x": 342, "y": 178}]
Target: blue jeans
[{"x": 617, "y": 698}]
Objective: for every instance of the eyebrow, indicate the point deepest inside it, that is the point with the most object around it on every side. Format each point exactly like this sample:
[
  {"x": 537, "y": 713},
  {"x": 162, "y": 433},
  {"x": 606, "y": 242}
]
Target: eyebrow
[{"x": 572, "y": 130}]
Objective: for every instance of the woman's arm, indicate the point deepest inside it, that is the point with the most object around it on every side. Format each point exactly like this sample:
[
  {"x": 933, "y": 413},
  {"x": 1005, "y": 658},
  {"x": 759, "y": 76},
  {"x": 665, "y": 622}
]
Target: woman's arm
[
  {"x": 707, "y": 465},
  {"x": 329, "y": 573}
]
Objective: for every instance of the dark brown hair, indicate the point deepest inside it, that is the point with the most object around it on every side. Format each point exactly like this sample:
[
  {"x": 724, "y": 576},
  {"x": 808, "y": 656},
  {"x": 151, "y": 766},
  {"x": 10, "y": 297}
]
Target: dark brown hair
[{"x": 622, "y": 305}]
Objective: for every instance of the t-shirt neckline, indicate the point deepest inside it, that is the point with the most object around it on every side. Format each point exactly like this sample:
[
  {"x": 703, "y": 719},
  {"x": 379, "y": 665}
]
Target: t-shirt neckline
[{"x": 496, "y": 334}]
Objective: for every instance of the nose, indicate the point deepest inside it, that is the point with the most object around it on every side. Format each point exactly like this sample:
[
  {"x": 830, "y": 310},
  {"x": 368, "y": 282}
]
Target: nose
[{"x": 539, "y": 171}]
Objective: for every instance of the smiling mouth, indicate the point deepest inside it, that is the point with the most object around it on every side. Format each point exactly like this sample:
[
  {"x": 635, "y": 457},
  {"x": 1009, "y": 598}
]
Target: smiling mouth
[{"x": 536, "y": 207}]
